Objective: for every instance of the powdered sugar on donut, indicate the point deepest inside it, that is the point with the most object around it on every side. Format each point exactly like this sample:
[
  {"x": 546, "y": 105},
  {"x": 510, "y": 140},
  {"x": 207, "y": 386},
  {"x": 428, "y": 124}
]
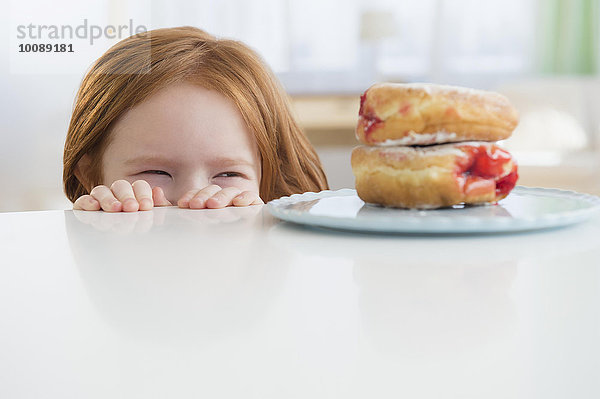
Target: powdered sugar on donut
[
  {"x": 434, "y": 150},
  {"x": 441, "y": 149},
  {"x": 413, "y": 138},
  {"x": 432, "y": 88}
]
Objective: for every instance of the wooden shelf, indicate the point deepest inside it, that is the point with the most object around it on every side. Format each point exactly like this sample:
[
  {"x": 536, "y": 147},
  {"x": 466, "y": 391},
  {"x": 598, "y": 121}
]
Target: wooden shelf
[{"x": 326, "y": 113}]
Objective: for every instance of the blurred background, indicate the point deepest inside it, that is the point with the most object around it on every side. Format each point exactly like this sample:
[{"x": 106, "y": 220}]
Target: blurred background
[{"x": 544, "y": 55}]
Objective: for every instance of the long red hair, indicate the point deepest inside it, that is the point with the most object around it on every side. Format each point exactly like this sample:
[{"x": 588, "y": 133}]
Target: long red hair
[{"x": 138, "y": 66}]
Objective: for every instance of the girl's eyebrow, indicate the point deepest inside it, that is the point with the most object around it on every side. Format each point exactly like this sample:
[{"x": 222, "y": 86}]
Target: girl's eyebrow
[
  {"x": 151, "y": 159},
  {"x": 157, "y": 159},
  {"x": 224, "y": 161}
]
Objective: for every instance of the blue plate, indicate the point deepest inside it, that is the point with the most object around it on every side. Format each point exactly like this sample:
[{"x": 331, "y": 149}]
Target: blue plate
[{"x": 525, "y": 208}]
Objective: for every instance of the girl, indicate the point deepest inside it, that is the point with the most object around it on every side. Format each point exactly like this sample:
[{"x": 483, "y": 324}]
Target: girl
[{"x": 178, "y": 116}]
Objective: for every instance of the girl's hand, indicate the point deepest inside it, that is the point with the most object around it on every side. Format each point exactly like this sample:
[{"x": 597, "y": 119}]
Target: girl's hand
[
  {"x": 122, "y": 196},
  {"x": 214, "y": 196}
]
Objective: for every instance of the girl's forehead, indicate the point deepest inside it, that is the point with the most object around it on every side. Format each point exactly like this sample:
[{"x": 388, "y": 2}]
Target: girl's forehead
[
  {"x": 184, "y": 122},
  {"x": 185, "y": 105},
  {"x": 185, "y": 117}
]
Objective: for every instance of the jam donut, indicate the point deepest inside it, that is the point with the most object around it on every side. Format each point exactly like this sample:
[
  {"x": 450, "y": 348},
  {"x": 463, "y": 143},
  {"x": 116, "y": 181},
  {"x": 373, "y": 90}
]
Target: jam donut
[
  {"x": 433, "y": 176},
  {"x": 421, "y": 114}
]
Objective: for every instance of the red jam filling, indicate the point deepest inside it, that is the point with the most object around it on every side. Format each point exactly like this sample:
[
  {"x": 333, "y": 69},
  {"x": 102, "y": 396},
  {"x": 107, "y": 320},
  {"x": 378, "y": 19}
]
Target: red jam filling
[
  {"x": 372, "y": 122},
  {"x": 507, "y": 183},
  {"x": 363, "y": 98},
  {"x": 487, "y": 165}
]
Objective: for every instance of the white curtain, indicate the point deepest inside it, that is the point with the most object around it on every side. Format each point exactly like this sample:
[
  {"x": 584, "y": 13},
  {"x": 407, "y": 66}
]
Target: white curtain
[{"x": 316, "y": 45}]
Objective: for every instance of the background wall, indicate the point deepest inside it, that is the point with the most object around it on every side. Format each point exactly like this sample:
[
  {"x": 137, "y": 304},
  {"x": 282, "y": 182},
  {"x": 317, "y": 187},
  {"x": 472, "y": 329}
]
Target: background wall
[{"x": 542, "y": 54}]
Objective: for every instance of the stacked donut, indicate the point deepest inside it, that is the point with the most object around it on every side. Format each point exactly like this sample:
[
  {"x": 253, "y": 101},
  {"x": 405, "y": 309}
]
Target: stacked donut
[{"x": 430, "y": 146}]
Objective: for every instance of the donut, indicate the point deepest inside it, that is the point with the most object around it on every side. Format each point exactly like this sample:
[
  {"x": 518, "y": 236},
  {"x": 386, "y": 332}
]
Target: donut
[
  {"x": 433, "y": 176},
  {"x": 422, "y": 114}
]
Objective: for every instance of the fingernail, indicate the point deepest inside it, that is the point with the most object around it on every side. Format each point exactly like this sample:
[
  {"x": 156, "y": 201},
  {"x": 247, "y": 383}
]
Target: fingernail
[
  {"x": 146, "y": 203},
  {"x": 197, "y": 202},
  {"x": 215, "y": 203}
]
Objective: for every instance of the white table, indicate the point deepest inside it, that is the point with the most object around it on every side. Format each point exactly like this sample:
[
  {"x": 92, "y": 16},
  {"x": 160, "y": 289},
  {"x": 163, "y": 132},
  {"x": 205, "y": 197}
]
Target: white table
[{"x": 233, "y": 303}]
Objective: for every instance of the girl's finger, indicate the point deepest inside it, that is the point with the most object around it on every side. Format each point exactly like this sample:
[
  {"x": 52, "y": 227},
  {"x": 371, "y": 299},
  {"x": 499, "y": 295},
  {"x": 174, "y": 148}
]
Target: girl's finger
[
  {"x": 159, "y": 198},
  {"x": 196, "y": 198},
  {"x": 184, "y": 201},
  {"x": 143, "y": 194},
  {"x": 123, "y": 190},
  {"x": 222, "y": 198},
  {"x": 86, "y": 203},
  {"x": 106, "y": 198},
  {"x": 245, "y": 198}
]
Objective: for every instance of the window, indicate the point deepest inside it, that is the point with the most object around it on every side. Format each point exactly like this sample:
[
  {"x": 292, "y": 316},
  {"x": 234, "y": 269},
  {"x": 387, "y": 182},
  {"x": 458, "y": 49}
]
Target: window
[{"x": 316, "y": 46}]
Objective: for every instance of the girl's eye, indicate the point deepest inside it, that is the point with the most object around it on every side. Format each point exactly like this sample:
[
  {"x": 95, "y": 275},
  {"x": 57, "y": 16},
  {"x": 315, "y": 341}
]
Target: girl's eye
[
  {"x": 157, "y": 172},
  {"x": 231, "y": 174}
]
